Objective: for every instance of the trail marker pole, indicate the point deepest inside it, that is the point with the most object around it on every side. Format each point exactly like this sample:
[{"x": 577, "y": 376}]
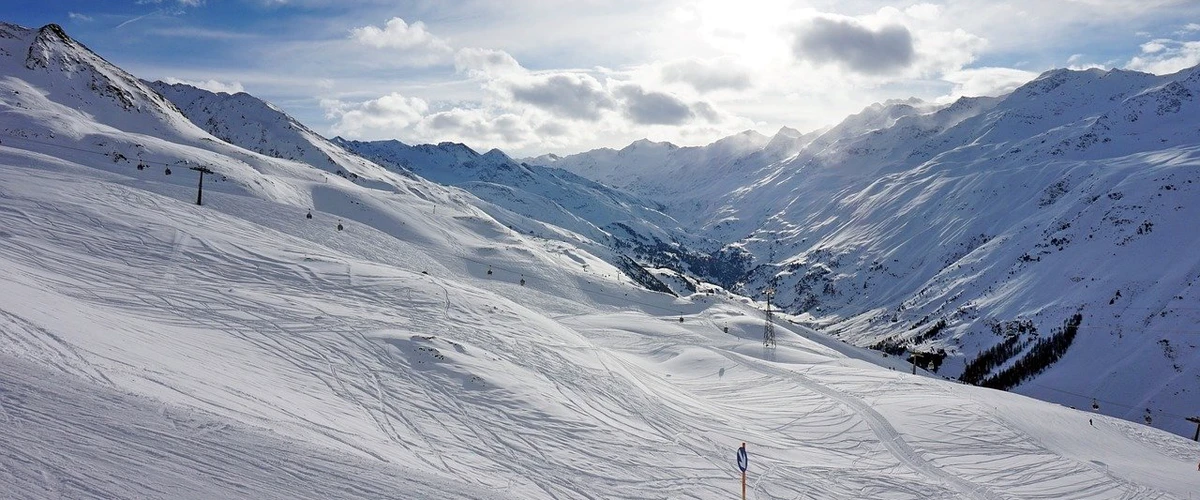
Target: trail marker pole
[
  {"x": 200, "y": 187},
  {"x": 743, "y": 461}
]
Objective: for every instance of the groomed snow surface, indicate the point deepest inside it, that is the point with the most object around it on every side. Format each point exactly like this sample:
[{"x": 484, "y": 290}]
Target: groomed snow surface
[{"x": 151, "y": 348}]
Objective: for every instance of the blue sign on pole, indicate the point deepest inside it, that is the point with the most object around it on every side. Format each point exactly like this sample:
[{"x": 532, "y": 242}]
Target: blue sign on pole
[{"x": 743, "y": 461}]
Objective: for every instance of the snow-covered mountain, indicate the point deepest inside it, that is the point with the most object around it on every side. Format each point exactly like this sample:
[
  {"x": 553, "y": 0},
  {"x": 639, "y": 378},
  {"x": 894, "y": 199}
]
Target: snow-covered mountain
[
  {"x": 690, "y": 181},
  {"x": 545, "y": 202},
  {"x": 607, "y": 219},
  {"x": 1001, "y": 217},
  {"x": 254, "y": 124},
  {"x": 403, "y": 343}
]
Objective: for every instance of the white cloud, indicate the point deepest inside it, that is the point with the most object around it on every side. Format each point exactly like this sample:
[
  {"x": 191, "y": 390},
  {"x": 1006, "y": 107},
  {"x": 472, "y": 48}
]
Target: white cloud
[
  {"x": 1167, "y": 56},
  {"x": 475, "y": 126},
  {"x": 529, "y": 112},
  {"x": 593, "y": 75},
  {"x": 1154, "y": 47},
  {"x": 209, "y": 85},
  {"x": 486, "y": 62},
  {"x": 75, "y": 16},
  {"x": 398, "y": 34},
  {"x": 707, "y": 75},
  {"x": 986, "y": 82},
  {"x": 924, "y": 11},
  {"x": 385, "y": 117}
]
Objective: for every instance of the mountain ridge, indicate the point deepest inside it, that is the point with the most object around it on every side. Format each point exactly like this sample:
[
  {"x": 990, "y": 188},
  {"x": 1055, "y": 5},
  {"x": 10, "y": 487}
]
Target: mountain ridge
[{"x": 882, "y": 223}]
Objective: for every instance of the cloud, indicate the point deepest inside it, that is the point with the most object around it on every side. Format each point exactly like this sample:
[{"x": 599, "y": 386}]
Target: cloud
[
  {"x": 1163, "y": 57},
  {"x": 181, "y": 3},
  {"x": 1154, "y": 46},
  {"x": 485, "y": 62},
  {"x": 477, "y": 127},
  {"x": 209, "y": 85},
  {"x": 398, "y": 34},
  {"x": 388, "y": 115},
  {"x": 199, "y": 33},
  {"x": 75, "y": 16},
  {"x": 411, "y": 120},
  {"x": 707, "y": 76},
  {"x": 660, "y": 108},
  {"x": 569, "y": 95},
  {"x": 976, "y": 82},
  {"x": 852, "y": 44},
  {"x": 653, "y": 108}
]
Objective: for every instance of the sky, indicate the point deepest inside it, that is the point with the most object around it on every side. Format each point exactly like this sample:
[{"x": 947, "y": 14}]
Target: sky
[{"x": 539, "y": 76}]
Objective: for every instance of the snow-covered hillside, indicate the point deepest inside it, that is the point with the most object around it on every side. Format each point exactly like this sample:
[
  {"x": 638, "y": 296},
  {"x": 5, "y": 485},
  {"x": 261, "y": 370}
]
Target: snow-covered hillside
[
  {"x": 1002, "y": 217},
  {"x": 691, "y": 182},
  {"x": 402, "y": 343},
  {"x": 546, "y": 202},
  {"x": 261, "y": 354},
  {"x": 608, "y": 219},
  {"x": 248, "y": 122}
]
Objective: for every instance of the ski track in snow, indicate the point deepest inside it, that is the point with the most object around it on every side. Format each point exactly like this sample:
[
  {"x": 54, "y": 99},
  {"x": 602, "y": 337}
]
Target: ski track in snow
[
  {"x": 67, "y": 439},
  {"x": 887, "y": 435},
  {"x": 235, "y": 328}
]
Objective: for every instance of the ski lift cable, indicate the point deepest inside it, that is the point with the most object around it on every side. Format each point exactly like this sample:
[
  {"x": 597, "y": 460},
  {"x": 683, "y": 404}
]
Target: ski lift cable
[
  {"x": 168, "y": 164},
  {"x": 1095, "y": 399},
  {"x": 596, "y": 292},
  {"x": 72, "y": 148}
]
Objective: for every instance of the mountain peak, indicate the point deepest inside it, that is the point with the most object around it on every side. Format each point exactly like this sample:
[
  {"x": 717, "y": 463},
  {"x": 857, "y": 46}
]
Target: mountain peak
[
  {"x": 497, "y": 155},
  {"x": 786, "y": 131},
  {"x": 642, "y": 144},
  {"x": 49, "y": 45},
  {"x": 456, "y": 147},
  {"x": 53, "y": 30},
  {"x": 745, "y": 140}
]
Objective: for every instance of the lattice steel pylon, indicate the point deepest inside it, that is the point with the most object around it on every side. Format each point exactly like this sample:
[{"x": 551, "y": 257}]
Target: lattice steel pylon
[{"x": 769, "y": 327}]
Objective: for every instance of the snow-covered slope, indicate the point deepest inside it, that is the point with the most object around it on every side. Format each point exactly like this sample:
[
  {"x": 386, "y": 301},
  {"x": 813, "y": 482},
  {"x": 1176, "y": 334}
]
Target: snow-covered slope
[
  {"x": 1003, "y": 217},
  {"x": 251, "y": 123},
  {"x": 597, "y": 213},
  {"x": 691, "y": 182},
  {"x": 545, "y": 202},
  {"x": 552, "y": 203},
  {"x": 239, "y": 338},
  {"x": 153, "y": 348}
]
